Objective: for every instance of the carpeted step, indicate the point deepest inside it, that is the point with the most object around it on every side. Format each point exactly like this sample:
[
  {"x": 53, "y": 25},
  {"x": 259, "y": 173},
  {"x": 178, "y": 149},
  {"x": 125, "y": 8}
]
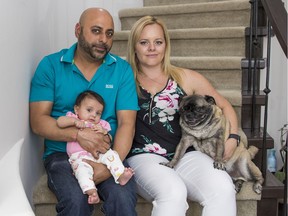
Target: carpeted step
[
  {"x": 235, "y": 98},
  {"x": 223, "y": 72},
  {"x": 221, "y": 41},
  {"x": 195, "y": 15},
  {"x": 44, "y": 202},
  {"x": 174, "y": 2}
]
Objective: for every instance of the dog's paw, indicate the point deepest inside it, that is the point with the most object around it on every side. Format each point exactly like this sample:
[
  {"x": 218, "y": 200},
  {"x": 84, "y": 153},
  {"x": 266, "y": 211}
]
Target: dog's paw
[
  {"x": 219, "y": 165},
  {"x": 257, "y": 187},
  {"x": 238, "y": 187},
  {"x": 169, "y": 164}
]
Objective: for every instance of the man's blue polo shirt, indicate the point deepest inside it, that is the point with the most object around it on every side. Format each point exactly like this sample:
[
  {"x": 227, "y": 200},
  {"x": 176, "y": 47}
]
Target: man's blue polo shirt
[{"x": 57, "y": 79}]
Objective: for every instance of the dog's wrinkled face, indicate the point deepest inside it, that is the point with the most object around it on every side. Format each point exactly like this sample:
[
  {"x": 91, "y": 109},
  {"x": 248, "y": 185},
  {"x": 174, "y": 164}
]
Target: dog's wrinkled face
[{"x": 196, "y": 110}]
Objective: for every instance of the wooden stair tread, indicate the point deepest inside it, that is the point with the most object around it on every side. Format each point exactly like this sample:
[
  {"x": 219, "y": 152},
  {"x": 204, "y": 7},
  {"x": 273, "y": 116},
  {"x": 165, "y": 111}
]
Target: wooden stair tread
[
  {"x": 272, "y": 187},
  {"x": 255, "y": 138},
  {"x": 248, "y": 95}
]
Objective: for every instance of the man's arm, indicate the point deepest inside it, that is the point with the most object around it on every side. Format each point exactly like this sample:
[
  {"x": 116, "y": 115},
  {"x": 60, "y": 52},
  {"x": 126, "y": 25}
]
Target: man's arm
[
  {"x": 125, "y": 132},
  {"x": 45, "y": 126},
  {"x": 122, "y": 142}
]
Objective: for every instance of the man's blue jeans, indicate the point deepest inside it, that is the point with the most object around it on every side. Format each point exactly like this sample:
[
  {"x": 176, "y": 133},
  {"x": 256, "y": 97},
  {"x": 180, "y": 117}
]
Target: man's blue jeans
[{"x": 118, "y": 200}]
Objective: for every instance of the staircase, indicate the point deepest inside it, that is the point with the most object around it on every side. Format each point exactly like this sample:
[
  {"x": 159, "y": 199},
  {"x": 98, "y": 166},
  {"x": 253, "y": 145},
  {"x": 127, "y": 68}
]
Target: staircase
[{"x": 208, "y": 36}]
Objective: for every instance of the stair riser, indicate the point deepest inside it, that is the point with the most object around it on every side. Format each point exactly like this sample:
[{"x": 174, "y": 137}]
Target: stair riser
[
  {"x": 169, "y": 2},
  {"x": 196, "y": 47},
  {"x": 223, "y": 80},
  {"x": 247, "y": 113},
  {"x": 244, "y": 208},
  {"x": 196, "y": 20}
]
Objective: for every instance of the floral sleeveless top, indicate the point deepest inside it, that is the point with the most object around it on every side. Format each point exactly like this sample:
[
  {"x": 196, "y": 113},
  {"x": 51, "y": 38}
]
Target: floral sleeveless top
[{"x": 157, "y": 125}]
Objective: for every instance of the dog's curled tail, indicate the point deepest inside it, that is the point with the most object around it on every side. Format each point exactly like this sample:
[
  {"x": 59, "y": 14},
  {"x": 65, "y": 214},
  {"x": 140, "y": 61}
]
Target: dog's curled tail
[{"x": 252, "y": 151}]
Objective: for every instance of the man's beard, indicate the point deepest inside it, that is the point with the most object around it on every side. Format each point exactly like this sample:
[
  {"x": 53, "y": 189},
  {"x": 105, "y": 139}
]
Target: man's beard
[{"x": 89, "y": 49}]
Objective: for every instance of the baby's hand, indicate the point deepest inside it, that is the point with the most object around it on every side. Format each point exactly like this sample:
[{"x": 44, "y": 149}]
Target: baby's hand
[{"x": 80, "y": 124}]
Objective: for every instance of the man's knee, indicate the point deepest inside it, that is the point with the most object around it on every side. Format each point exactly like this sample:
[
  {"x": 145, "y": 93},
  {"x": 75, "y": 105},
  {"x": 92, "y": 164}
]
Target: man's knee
[
  {"x": 122, "y": 193},
  {"x": 74, "y": 205},
  {"x": 119, "y": 200},
  {"x": 57, "y": 162}
]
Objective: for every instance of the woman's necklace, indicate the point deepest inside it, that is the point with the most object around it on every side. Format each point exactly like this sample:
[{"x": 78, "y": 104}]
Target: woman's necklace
[
  {"x": 153, "y": 85},
  {"x": 160, "y": 79}
]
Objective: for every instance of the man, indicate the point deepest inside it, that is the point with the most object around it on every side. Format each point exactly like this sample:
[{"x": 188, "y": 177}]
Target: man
[{"x": 58, "y": 79}]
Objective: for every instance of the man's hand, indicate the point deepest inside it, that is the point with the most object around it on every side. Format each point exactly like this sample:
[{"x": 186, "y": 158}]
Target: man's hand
[
  {"x": 99, "y": 129},
  {"x": 101, "y": 172},
  {"x": 92, "y": 142}
]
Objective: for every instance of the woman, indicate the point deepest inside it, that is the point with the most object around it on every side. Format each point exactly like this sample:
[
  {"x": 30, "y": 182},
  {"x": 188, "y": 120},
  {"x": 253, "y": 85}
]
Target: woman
[{"x": 160, "y": 85}]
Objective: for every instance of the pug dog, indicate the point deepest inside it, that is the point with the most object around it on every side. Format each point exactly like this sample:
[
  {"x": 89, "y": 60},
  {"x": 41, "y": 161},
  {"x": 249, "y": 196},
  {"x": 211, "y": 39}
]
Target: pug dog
[{"x": 205, "y": 127}]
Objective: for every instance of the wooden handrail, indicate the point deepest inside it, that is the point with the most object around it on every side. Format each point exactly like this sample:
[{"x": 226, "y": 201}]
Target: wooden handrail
[{"x": 277, "y": 16}]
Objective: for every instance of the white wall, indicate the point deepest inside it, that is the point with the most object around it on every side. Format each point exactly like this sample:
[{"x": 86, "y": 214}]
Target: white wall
[
  {"x": 19, "y": 39},
  {"x": 278, "y": 97},
  {"x": 277, "y": 109},
  {"x": 64, "y": 14},
  {"x": 30, "y": 30}
]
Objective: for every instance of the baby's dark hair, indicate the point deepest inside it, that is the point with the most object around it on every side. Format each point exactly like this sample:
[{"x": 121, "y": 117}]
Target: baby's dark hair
[{"x": 90, "y": 94}]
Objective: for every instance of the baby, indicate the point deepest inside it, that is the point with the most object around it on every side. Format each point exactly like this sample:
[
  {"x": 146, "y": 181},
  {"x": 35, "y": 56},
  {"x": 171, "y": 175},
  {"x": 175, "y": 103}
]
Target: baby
[{"x": 88, "y": 110}]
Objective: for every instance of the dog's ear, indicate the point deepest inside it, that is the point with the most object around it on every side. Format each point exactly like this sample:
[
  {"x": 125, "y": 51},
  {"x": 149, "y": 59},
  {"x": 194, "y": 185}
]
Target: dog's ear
[
  {"x": 180, "y": 99},
  {"x": 210, "y": 99}
]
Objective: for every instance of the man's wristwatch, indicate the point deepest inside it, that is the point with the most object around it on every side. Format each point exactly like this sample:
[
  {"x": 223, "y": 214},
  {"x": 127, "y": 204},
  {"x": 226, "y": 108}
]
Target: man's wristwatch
[{"x": 235, "y": 136}]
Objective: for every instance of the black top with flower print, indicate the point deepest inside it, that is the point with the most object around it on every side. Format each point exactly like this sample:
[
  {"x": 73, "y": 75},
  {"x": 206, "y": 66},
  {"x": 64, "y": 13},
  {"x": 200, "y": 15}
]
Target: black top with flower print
[{"x": 157, "y": 125}]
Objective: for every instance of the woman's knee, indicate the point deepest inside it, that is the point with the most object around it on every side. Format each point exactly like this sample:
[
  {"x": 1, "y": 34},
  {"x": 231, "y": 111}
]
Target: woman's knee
[
  {"x": 172, "y": 201},
  {"x": 224, "y": 183},
  {"x": 226, "y": 190},
  {"x": 172, "y": 191}
]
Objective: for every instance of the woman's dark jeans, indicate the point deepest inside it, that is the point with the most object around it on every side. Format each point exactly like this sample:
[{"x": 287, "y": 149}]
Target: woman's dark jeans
[{"x": 118, "y": 200}]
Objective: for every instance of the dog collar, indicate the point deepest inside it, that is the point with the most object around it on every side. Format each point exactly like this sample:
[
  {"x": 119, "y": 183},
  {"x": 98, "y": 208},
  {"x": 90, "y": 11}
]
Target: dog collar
[{"x": 235, "y": 136}]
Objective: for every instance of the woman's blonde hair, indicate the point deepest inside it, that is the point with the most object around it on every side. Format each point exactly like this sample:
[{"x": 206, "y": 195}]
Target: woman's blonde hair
[{"x": 169, "y": 70}]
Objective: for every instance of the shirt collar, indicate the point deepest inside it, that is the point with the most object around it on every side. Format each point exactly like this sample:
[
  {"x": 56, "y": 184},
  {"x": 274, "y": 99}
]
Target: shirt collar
[{"x": 68, "y": 56}]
